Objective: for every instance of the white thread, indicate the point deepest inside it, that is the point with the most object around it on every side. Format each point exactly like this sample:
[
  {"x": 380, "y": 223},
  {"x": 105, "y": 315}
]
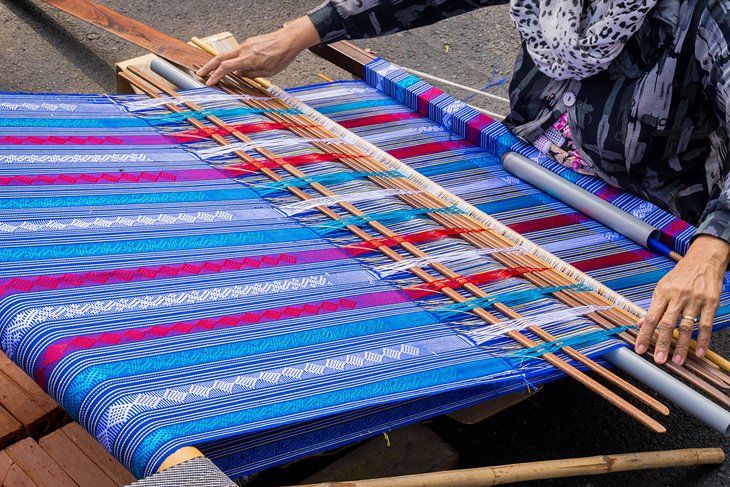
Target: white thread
[
  {"x": 306, "y": 205},
  {"x": 136, "y": 106},
  {"x": 459, "y": 257},
  {"x": 72, "y": 158},
  {"x": 271, "y": 144},
  {"x": 34, "y": 107},
  {"x": 487, "y": 333}
]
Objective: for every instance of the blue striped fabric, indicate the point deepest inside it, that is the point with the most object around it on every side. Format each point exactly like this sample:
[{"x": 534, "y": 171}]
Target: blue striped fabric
[{"x": 164, "y": 303}]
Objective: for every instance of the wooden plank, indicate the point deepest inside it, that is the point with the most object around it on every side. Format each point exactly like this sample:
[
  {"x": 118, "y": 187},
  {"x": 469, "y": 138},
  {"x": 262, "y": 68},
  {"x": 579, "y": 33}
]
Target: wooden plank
[
  {"x": 133, "y": 31},
  {"x": 413, "y": 449},
  {"x": 86, "y": 443},
  {"x": 12, "y": 475},
  {"x": 74, "y": 462},
  {"x": 18, "y": 403},
  {"x": 52, "y": 416},
  {"x": 10, "y": 429},
  {"x": 38, "y": 465},
  {"x": 346, "y": 55},
  {"x": 17, "y": 478}
]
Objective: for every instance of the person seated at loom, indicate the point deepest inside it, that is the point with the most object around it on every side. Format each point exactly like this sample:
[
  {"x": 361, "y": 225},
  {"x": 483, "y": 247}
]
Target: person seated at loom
[{"x": 642, "y": 87}]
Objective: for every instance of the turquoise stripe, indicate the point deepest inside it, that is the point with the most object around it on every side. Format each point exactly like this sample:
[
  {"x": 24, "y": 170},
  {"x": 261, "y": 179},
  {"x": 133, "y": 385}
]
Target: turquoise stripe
[
  {"x": 356, "y": 105},
  {"x": 87, "y": 380},
  {"x": 128, "y": 199},
  {"x": 509, "y": 204},
  {"x": 154, "y": 245},
  {"x": 448, "y": 374},
  {"x": 575, "y": 341},
  {"x": 220, "y": 112}
]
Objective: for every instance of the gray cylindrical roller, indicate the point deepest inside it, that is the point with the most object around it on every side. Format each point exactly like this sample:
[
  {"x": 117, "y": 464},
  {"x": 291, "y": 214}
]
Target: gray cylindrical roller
[
  {"x": 175, "y": 76},
  {"x": 580, "y": 199},
  {"x": 680, "y": 394}
]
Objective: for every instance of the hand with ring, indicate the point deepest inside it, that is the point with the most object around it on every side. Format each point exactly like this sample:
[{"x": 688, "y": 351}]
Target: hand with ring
[{"x": 690, "y": 290}]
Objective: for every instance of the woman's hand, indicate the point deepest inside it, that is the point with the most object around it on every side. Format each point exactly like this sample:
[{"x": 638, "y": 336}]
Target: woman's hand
[
  {"x": 691, "y": 289},
  {"x": 263, "y": 55}
]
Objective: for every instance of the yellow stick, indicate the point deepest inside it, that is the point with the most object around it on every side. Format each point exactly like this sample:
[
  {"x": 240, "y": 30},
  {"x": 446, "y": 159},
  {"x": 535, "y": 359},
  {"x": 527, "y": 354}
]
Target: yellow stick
[{"x": 523, "y": 472}]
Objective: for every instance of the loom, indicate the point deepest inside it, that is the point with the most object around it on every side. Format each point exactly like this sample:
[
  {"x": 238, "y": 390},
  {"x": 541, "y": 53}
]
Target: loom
[{"x": 260, "y": 275}]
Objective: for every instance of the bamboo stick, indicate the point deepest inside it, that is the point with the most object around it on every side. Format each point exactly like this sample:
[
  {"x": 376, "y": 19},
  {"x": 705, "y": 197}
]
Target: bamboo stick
[
  {"x": 551, "y": 469},
  {"x": 454, "y": 295}
]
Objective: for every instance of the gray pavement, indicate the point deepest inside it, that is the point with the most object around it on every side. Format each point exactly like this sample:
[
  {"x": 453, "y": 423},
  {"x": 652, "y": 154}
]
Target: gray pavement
[{"x": 44, "y": 50}]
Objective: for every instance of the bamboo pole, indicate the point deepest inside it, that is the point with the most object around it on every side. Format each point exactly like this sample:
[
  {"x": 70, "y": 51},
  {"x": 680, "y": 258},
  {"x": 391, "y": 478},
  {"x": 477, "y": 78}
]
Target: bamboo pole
[
  {"x": 180, "y": 456},
  {"x": 551, "y": 469}
]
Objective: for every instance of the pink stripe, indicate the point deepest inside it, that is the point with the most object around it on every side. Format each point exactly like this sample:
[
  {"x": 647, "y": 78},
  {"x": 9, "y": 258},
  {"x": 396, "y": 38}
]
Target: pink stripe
[
  {"x": 112, "y": 178},
  {"x": 65, "y": 346},
  {"x": 90, "y": 140},
  {"x": 28, "y": 284}
]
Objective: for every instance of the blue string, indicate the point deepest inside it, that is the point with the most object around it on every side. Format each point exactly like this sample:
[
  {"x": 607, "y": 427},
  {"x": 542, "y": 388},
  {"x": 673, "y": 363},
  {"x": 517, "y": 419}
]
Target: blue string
[
  {"x": 333, "y": 178},
  {"x": 385, "y": 217},
  {"x": 507, "y": 298},
  {"x": 576, "y": 341},
  {"x": 219, "y": 112}
]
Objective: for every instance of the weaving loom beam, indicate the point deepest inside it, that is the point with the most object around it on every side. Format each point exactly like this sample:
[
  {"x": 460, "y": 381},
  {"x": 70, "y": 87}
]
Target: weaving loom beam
[{"x": 523, "y": 340}]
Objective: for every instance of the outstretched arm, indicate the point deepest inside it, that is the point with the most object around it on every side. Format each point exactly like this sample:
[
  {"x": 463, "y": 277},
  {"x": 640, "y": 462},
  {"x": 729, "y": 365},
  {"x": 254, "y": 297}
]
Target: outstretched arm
[
  {"x": 268, "y": 54},
  {"x": 692, "y": 289}
]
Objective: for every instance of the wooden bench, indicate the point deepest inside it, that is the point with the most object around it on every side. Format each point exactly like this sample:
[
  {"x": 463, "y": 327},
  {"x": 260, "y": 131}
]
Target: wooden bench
[{"x": 67, "y": 457}]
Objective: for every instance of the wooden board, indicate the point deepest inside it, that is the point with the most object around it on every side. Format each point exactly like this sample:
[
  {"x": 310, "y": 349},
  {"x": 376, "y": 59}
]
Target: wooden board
[
  {"x": 65, "y": 458},
  {"x": 27, "y": 403}
]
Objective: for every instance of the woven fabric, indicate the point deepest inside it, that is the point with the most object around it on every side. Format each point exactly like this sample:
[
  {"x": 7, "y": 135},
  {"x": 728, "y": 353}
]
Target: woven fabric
[
  {"x": 459, "y": 148},
  {"x": 156, "y": 287}
]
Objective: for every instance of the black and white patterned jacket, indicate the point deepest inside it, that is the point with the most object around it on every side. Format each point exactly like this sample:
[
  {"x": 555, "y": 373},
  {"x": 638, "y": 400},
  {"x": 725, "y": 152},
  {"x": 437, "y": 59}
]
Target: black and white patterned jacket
[{"x": 655, "y": 123}]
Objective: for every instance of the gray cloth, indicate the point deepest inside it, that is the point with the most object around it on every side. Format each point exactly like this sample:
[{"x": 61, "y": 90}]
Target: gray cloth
[
  {"x": 198, "y": 472},
  {"x": 654, "y": 123}
]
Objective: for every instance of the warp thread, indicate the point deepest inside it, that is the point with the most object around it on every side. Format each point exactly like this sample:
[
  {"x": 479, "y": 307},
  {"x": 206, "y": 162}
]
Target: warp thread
[
  {"x": 395, "y": 216},
  {"x": 448, "y": 311},
  {"x": 333, "y": 178}
]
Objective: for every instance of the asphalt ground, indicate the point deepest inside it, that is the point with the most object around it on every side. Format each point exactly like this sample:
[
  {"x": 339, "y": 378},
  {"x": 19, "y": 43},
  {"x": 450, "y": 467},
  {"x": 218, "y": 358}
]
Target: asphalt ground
[{"x": 43, "y": 50}]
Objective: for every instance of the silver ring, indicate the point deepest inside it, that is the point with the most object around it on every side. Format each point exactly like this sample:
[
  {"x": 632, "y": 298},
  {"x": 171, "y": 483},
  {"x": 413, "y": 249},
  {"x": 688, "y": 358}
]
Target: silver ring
[{"x": 693, "y": 319}]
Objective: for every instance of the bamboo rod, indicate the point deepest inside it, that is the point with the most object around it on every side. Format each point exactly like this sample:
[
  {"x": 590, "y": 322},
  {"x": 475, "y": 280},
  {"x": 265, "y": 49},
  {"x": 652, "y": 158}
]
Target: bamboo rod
[
  {"x": 454, "y": 295},
  {"x": 551, "y": 469}
]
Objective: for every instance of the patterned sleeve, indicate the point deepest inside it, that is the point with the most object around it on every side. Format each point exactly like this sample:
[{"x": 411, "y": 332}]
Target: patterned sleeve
[
  {"x": 356, "y": 19},
  {"x": 713, "y": 54}
]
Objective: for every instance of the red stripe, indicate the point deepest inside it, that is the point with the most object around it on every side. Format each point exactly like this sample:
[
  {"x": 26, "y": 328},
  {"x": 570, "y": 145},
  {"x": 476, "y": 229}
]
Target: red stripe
[
  {"x": 242, "y": 128},
  {"x": 65, "y": 346},
  {"x": 428, "y": 289},
  {"x": 240, "y": 169},
  {"x": 378, "y": 119},
  {"x": 614, "y": 260},
  {"x": 430, "y": 148},
  {"x": 27, "y": 284},
  {"x": 549, "y": 222}
]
